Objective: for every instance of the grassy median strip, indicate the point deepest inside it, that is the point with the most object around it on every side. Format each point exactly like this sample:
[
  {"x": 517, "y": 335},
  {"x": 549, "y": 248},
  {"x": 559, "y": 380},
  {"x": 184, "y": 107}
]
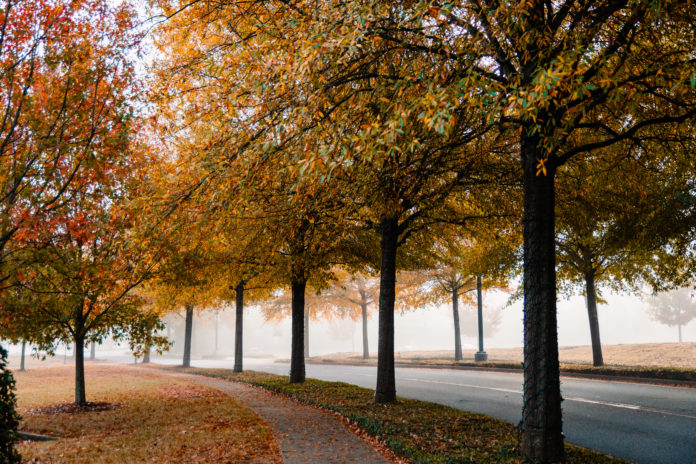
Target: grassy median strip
[
  {"x": 421, "y": 431},
  {"x": 138, "y": 416}
]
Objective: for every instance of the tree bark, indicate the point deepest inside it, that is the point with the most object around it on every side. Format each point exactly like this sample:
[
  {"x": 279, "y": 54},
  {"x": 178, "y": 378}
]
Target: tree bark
[
  {"x": 457, "y": 334},
  {"x": 146, "y": 356},
  {"x": 366, "y": 348},
  {"x": 187, "y": 336},
  {"x": 80, "y": 392},
  {"x": 306, "y": 333},
  {"x": 24, "y": 346},
  {"x": 542, "y": 436},
  {"x": 239, "y": 327},
  {"x": 591, "y": 294},
  {"x": 297, "y": 360},
  {"x": 93, "y": 351},
  {"x": 678, "y": 327},
  {"x": 385, "y": 392}
]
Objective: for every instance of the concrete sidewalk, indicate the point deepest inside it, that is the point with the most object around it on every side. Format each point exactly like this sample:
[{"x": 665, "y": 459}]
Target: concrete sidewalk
[{"x": 304, "y": 434}]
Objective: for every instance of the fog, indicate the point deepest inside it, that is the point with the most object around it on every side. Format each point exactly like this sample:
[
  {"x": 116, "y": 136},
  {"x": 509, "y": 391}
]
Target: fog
[{"x": 623, "y": 320}]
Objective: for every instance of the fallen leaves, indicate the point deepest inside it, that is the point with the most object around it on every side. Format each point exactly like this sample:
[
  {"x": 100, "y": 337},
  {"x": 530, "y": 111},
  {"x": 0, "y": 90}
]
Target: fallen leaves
[{"x": 139, "y": 417}]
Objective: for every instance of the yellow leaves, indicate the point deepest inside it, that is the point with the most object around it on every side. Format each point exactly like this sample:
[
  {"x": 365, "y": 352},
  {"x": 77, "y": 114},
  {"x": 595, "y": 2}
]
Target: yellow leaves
[{"x": 541, "y": 166}]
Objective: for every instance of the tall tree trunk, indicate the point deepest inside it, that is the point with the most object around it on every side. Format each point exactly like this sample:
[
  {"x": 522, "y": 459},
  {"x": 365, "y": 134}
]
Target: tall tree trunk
[
  {"x": 306, "y": 333},
  {"x": 481, "y": 355},
  {"x": 80, "y": 392},
  {"x": 24, "y": 347},
  {"x": 591, "y": 294},
  {"x": 457, "y": 334},
  {"x": 366, "y": 348},
  {"x": 93, "y": 351},
  {"x": 678, "y": 327},
  {"x": 187, "y": 336},
  {"x": 297, "y": 363},
  {"x": 542, "y": 436},
  {"x": 385, "y": 392},
  {"x": 239, "y": 327},
  {"x": 146, "y": 356}
]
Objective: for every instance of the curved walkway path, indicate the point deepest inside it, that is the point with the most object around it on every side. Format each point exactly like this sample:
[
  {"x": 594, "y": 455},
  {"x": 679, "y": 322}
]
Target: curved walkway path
[{"x": 305, "y": 435}]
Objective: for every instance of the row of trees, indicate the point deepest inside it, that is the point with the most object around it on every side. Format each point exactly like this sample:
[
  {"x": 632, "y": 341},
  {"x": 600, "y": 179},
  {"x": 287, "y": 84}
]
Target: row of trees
[
  {"x": 381, "y": 135},
  {"x": 289, "y": 144}
]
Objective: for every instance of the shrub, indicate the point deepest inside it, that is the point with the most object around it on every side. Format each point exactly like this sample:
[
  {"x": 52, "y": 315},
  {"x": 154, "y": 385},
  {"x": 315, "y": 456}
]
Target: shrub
[{"x": 9, "y": 419}]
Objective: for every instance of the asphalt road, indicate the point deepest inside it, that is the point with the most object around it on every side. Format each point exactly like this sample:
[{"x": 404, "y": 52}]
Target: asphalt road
[{"x": 647, "y": 424}]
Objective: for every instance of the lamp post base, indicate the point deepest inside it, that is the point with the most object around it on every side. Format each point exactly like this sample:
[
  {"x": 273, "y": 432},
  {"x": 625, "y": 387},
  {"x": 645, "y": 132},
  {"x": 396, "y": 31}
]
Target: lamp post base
[{"x": 481, "y": 356}]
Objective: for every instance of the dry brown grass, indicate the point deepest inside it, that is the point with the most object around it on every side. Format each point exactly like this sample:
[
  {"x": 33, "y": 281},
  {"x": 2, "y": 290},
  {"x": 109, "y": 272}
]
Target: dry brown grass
[
  {"x": 157, "y": 419},
  {"x": 682, "y": 355}
]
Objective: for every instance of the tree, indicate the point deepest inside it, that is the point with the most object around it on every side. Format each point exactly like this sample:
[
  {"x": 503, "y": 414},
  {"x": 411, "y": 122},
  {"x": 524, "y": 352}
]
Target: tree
[
  {"x": 72, "y": 276},
  {"x": 617, "y": 225},
  {"x": 351, "y": 296},
  {"x": 79, "y": 285},
  {"x": 677, "y": 307},
  {"x": 456, "y": 272},
  {"x": 62, "y": 97},
  {"x": 396, "y": 192}
]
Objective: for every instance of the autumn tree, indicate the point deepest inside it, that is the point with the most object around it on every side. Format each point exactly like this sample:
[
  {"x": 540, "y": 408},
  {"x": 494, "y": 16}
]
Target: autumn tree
[
  {"x": 617, "y": 225},
  {"x": 396, "y": 192},
  {"x": 68, "y": 127},
  {"x": 351, "y": 296},
  {"x": 63, "y": 90},
  {"x": 77, "y": 284},
  {"x": 674, "y": 308}
]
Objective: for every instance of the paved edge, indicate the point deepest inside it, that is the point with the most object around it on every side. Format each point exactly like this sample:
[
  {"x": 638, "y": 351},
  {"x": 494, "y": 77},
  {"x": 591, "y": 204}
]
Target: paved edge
[{"x": 604, "y": 377}]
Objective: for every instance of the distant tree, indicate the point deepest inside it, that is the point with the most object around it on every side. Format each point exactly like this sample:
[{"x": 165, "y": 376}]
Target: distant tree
[
  {"x": 316, "y": 307},
  {"x": 674, "y": 308},
  {"x": 617, "y": 226},
  {"x": 457, "y": 269},
  {"x": 351, "y": 296}
]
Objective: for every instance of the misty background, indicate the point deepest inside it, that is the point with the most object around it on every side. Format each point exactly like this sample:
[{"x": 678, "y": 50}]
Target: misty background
[{"x": 623, "y": 320}]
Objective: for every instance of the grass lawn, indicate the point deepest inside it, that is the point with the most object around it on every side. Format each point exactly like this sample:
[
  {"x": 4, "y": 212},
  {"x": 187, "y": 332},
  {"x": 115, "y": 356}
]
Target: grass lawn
[
  {"x": 421, "y": 431},
  {"x": 146, "y": 417}
]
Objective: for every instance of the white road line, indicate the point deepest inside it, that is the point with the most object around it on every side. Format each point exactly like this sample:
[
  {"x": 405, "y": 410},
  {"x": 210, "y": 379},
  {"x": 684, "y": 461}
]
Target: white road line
[
  {"x": 603, "y": 403},
  {"x": 569, "y": 398},
  {"x": 465, "y": 385}
]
